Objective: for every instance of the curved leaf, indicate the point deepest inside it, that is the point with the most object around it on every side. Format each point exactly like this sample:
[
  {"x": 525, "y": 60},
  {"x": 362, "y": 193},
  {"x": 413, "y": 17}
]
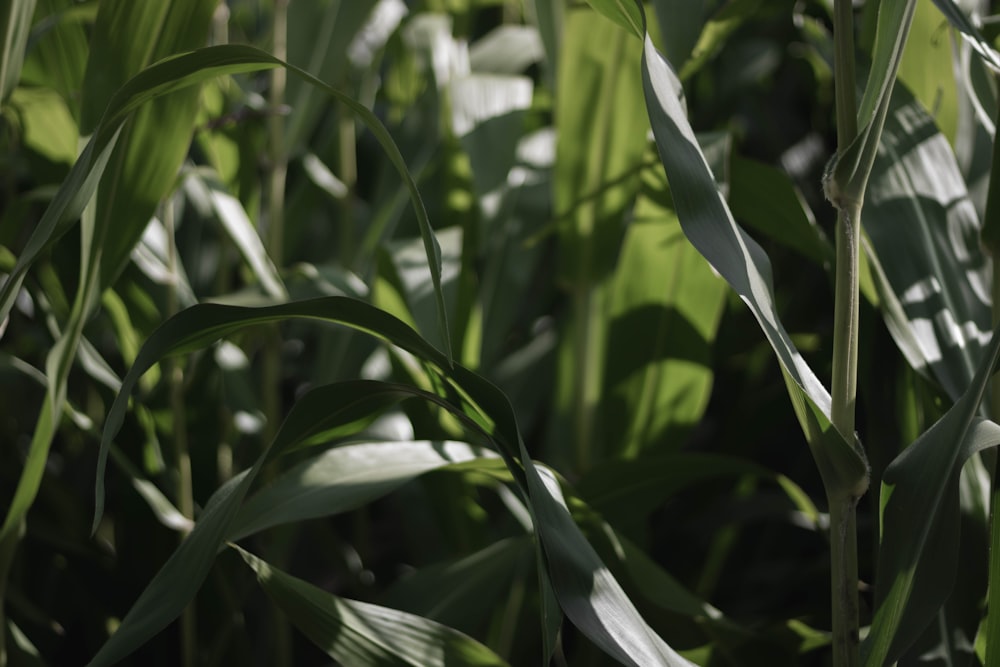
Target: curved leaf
[
  {"x": 925, "y": 231},
  {"x": 918, "y": 557},
  {"x": 585, "y": 588},
  {"x": 205, "y": 323},
  {"x": 344, "y": 478},
  {"x": 710, "y": 227},
  {"x": 358, "y": 633},
  {"x": 173, "y": 74}
]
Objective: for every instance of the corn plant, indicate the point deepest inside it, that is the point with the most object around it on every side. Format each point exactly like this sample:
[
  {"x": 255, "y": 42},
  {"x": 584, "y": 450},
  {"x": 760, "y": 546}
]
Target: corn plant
[{"x": 429, "y": 332}]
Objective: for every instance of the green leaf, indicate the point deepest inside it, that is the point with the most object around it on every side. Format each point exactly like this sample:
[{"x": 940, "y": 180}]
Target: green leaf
[
  {"x": 15, "y": 26},
  {"x": 465, "y": 592},
  {"x": 764, "y": 199},
  {"x": 924, "y": 229},
  {"x": 344, "y": 478},
  {"x": 709, "y": 225},
  {"x": 959, "y": 20},
  {"x": 358, "y": 633},
  {"x": 595, "y": 180},
  {"x": 623, "y": 12},
  {"x": 664, "y": 305},
  {"x": 715, "y": 32},
  {"x": 57, "y": 57},
  {"x": 167, "y": 76},
  {"x": 325, "y": 412},
  {"x": 77, "y": 189},
  {"x": 588, "y": 593},
  {"x": 847, "y": 175},
  {"x": 928, "y": 68},
  {"x": 205, "y": 323},
  {"x": 181, "y": 576},
  {"x": 920, "y": 500}
]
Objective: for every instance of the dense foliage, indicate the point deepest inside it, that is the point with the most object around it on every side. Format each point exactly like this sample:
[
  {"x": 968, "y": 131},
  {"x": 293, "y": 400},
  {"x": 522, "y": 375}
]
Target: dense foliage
[{"x": 444, "y": 332}]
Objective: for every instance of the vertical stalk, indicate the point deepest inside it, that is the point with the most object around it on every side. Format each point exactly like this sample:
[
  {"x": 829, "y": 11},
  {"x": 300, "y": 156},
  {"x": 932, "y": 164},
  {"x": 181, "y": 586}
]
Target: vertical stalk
[
  {"x": 182, "y": 457},
  {"x": 843, "y": 505},
  {"x": 991, "y": 242},
  {"x": 349, "y": 175},
  {"x": 275, "y": 246},
  {"x": 587, "y": 307}
]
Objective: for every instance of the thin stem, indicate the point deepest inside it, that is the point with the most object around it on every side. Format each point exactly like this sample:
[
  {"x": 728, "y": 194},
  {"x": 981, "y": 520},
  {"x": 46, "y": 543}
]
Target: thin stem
[
  {"x": 587, "y": 333},
  {"x": 843, "y": 505},
  {"x": 844, "y": 581},
  {"x": 990, "y": 235},
  {"x": 271, "y": 370},
  {"x": 845, "y": 323},
  {"x": 182, "y": 457},
  {"x": 349, "y": 176}
]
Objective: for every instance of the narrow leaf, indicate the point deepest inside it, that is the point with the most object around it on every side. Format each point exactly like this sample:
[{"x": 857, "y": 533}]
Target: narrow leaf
[
  {"x": 358, "y": 633},
  {"x": 15, "y": 26},
  {"x": 920, "y": 502},
  {"x": 344, "y": 478}
]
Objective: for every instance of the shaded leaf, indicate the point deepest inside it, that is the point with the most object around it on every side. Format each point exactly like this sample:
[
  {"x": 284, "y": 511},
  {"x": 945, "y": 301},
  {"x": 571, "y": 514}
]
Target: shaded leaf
[
  {"x": 358, "y": 633},
  {"x": 15, "y": 24},
  {"x": 920, "y": 501}
]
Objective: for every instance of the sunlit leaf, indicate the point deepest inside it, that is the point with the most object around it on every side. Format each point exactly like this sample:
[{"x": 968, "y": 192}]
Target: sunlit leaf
[{"x": 346, "y": 477}]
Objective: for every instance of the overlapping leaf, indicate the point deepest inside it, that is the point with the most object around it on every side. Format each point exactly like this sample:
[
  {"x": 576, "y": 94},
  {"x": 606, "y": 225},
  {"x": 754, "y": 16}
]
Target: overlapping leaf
[
  {"x": 587, "y": 592},
  {"x": 358, "y": 633},
  {"x": 918, "y": 557}
]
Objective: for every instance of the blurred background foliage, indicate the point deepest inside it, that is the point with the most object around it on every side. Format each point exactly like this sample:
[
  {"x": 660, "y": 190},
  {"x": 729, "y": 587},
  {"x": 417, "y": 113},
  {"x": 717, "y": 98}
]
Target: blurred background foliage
[{"x": 633, "y": 370}]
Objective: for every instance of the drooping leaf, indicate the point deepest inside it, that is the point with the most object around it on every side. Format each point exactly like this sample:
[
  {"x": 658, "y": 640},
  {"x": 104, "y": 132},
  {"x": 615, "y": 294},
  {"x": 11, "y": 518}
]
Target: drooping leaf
[
  {"x": 326, "y": 412},
  {"x": 924, "y": 230},
  {"x": 465, "y": 591},
  {"x": 164, "y": 77},
  {"x": 344, "y": 478},
  {"x": 920, "y": 500},
  {"x": 958, "y": 19},
  {"x": 358, "y": 633},
  {"x": 710, "y": 227},
  {"x": 15, "y": 24},
  {"x": 588, "y": 593}
]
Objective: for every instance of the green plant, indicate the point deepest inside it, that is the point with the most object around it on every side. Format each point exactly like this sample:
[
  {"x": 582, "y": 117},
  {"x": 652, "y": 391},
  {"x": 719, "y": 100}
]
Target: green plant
[{"x": 409, "y": 302}]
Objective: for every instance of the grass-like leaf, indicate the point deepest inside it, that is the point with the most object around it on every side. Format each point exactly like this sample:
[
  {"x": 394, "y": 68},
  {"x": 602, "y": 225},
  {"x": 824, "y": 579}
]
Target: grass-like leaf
[
  {"x": 918, "y": 557},
  {"x": 710, "y": 227},
  {"x": 15, "y": 24},
  {"x": 344, "y": 478},
  {"x": 585, "y": 588},
  {"x": 358, "y": 633}
]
